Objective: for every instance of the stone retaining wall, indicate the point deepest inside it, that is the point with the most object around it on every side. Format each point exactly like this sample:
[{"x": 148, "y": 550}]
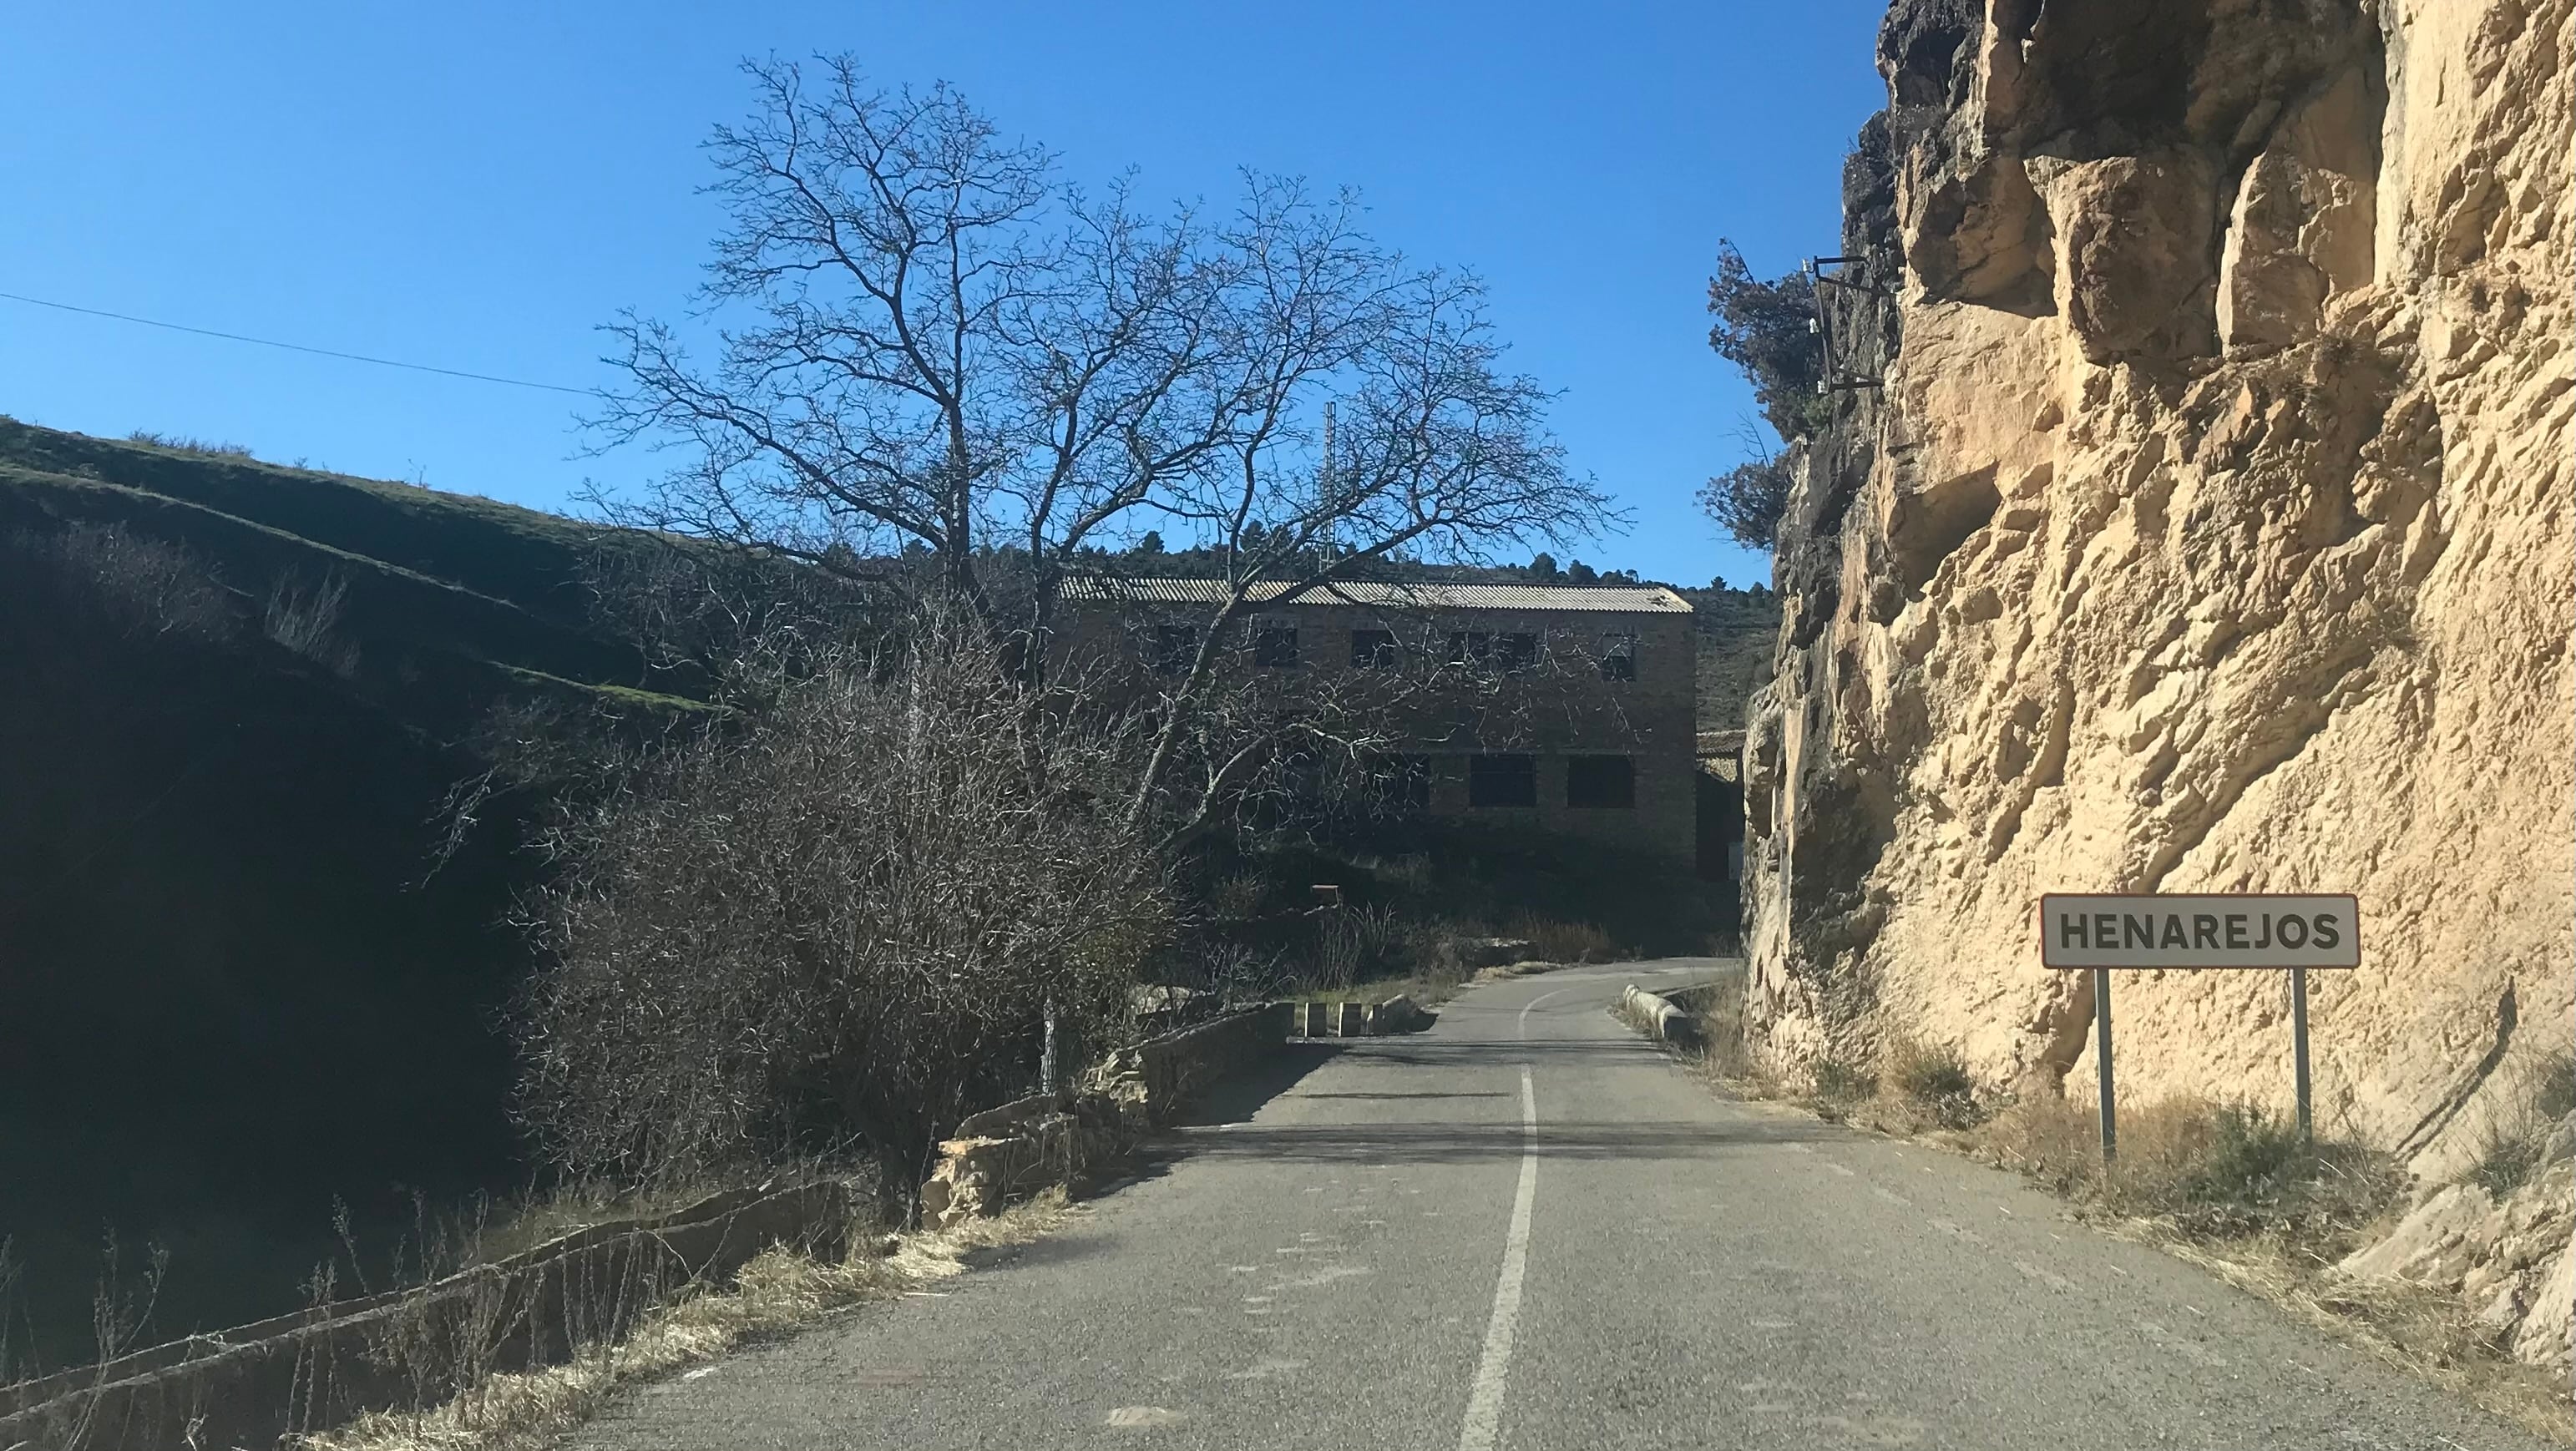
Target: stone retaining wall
[{"x": 1011, "y": 1152}]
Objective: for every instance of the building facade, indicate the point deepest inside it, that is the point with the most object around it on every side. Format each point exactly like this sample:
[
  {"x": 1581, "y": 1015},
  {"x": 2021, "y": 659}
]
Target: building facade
[{"x": 1569, "y": 708}]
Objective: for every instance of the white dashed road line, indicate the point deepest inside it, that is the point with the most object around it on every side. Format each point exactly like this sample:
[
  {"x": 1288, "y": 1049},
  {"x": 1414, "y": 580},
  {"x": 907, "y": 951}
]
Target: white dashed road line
[
  {"x": 1485, "y": 1398},
  {"x": 1534, "y": 1002}
]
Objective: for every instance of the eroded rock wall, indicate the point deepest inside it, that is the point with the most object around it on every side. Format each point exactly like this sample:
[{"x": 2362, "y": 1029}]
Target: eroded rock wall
[{"x": 2208, "y": 531}]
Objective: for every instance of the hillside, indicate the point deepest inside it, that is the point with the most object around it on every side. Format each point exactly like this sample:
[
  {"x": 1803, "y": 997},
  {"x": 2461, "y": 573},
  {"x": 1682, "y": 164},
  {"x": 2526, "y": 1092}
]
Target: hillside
[
  {"x": 453, "y": 599},
  {"x": 1736, "y": 631},
  {"x": 235, "y": 982}
]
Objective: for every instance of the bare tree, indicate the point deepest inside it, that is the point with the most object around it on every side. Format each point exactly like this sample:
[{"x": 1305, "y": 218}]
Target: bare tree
[
  {"x": 931, "y": 345},
  {"x": 942, "y": 348}
]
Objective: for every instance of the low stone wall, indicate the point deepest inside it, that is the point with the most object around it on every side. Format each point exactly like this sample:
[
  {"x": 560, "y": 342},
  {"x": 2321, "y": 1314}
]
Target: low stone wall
[
  {"x": 320, "y": 1368},
  {"x": 1321, "y": 1019},
  {"x": 1657, "y": 1016},
  {"x": 1008, "y": 1153}
]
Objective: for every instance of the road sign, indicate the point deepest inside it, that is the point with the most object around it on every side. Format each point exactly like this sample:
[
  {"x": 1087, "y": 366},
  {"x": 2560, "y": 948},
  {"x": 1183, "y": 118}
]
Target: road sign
[
  {"x": 2105, "y": 932},
  {"x": 2246, "y": 930}
]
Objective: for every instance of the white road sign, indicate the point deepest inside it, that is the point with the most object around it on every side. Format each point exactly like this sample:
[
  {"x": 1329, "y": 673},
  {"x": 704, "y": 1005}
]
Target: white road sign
[{"x": 2235, "y": 930}]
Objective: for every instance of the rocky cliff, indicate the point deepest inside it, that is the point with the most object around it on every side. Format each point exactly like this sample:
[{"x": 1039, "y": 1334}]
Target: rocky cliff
[{"x": 2196, "y": 518}]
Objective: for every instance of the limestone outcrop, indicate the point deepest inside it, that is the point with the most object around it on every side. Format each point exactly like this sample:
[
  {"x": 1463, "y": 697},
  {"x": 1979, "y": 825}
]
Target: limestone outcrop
[{"x": 2199, "y": 521}]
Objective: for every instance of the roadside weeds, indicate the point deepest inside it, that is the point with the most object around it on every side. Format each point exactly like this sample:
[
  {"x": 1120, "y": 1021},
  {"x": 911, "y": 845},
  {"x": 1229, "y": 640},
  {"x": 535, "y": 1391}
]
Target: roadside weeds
[
  {"x": 779, "y": 1291},
  {"x": 2230, "y": 1187}
]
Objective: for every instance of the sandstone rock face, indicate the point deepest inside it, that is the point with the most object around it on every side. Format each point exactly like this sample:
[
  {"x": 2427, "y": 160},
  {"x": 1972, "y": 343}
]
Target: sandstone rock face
[{"x": 2209, "y": 531}]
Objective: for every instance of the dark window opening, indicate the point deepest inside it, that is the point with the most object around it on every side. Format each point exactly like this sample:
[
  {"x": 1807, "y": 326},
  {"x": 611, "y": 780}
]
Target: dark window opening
[
  {"x": 1172, "y": 649},
  {"x": 1502, "y": 780},
  {"x": 1603, "y": 781},
  {"x": 1619, "y": 657},
  {"x": 1508, "y": 652},
  {"x": 1372, "y": 649},
  {"x": 1400, "y": 783},
  {"x": 1274, "y": 647}
]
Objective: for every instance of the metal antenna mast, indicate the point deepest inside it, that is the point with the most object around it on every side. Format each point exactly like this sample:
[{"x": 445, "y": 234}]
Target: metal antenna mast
[
  {"x": 1325, "y": 544},
  {"x": 1822, "y": 323}
]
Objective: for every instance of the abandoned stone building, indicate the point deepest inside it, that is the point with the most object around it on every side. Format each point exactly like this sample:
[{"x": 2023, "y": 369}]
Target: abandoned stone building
[{"x": 1584, "y": 723}]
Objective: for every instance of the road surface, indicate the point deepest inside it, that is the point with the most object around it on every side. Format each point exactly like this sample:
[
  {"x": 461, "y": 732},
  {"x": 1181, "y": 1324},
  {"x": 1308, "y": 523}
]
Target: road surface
[{"x": 1525, "y": 1229}]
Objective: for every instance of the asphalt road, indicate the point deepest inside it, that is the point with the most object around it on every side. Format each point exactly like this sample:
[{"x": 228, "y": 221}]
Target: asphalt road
[{"x": 1526, "y": 1229}]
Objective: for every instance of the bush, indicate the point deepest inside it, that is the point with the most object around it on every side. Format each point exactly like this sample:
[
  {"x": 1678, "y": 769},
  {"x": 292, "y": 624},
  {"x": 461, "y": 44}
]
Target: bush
[
  {"x": 1724, "y": 1050},
  {"x": 2208, "y": 1169},
  {"x": 1358, "y": 944},
  {"x": 1838, "y": 1081},
  {"x": 143, "y": 586},
  {"x": 840, "y": 926},
  {"x": 306, "y": 619},
  {"x": 1934, "y": 1076}
]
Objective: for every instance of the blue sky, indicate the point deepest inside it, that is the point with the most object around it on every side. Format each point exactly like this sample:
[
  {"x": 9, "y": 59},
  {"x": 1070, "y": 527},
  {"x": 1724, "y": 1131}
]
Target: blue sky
[{"x": 478, "y": 185}]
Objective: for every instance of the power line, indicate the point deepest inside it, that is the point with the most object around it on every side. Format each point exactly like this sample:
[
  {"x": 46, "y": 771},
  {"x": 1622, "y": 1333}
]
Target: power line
[{"x": 297, "y": 347}]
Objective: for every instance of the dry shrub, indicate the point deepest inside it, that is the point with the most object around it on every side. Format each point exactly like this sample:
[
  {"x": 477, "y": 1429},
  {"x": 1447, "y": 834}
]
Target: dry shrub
[
  {"x": 181, "y": 444},
  {"x": 840, "y": 925},
  {"x": 2052, "y": 1141},
  {"x": 143, "y": 586},
  {"x": 2208, "y": 1170},
  {"x": 305, "y": 618},
  {"x": 1841, "y": 1082},
  {"x": 1933, "y": 1077},
  {"x": 1724, "y": 1050},
  {"x": 1357, "y": 944},
  {"x": 1556, "y": 941}
]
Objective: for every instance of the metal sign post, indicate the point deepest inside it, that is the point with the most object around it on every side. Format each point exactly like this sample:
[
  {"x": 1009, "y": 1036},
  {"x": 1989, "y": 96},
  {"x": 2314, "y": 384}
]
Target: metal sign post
[
  {"x": 2299, "y": 1047},
  {"x": 2102, "y": 1062},
  {"x": 2106, "y": 932}
]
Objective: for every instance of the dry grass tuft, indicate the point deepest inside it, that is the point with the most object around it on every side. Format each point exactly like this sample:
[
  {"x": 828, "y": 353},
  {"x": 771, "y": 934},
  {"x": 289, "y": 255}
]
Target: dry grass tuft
[
  {"x": 2209, "y": 1171},
  {"x": 2517, "y": 1142},
  {"x": 1723, "y": 1050},
  {"x": 181, "y": 444},
  {"x": 776, "y": 1292},
  {"x": 1935, "y": 1078}
]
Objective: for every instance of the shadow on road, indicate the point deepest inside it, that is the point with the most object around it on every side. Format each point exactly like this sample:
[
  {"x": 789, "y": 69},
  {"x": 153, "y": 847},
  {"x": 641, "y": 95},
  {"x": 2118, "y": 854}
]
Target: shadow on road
[
  {"x": 1399, "y": 1095},
  {"x": 1239, "y": 1095},
  {"x": 1054, "y": 1249},
  {"x": 1445, "y": 1143}
]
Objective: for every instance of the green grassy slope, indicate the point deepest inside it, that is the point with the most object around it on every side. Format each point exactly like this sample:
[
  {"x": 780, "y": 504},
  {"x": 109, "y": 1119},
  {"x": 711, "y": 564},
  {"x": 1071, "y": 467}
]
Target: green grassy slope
[
  {"x": 448, "y": 602},
  {"x": 526, "y": 557}
]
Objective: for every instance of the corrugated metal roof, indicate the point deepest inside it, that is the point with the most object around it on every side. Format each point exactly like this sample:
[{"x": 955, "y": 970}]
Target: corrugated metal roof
[{"x": 1424, "y": 595}]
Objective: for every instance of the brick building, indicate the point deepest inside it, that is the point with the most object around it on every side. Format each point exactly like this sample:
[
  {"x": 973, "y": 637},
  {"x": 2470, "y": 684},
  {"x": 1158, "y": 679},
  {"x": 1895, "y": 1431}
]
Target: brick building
[{"x": 1583, "y": 722}]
